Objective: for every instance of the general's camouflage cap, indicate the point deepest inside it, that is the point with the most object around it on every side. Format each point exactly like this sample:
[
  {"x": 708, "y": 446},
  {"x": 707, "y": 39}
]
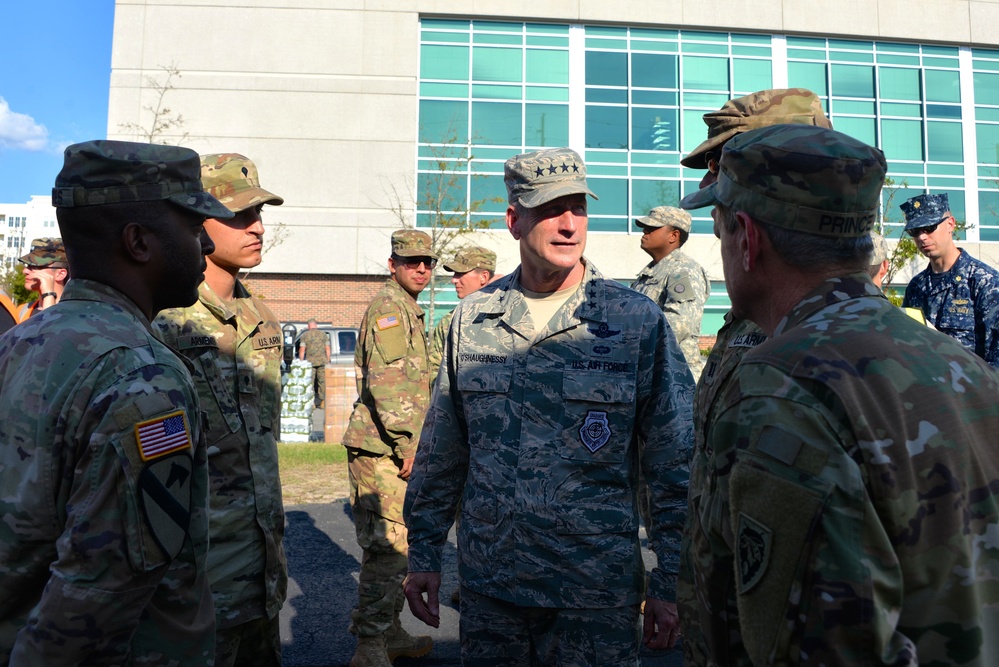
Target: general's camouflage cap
[
  {"x": 112, "y": 172},
  {"x": 661, "y": 216},
  {"x": 536, "y": 178},
  {"x": 780, "y": 106},
  {"x": 48, "y": 253},
  {"x": 232, "y": 179},
  {"x": 412, "y": 243},
  {"x": 925, "y": 210},
  {"x": 472, "y": 257},
  {"x": 802, "y": 178},
  {"x": 880, "y": 252}
]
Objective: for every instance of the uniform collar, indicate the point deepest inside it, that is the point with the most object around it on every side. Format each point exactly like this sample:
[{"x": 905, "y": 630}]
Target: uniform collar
[
  {"x": 829, "y": 293},
  {"x": 81, "y": 289}
]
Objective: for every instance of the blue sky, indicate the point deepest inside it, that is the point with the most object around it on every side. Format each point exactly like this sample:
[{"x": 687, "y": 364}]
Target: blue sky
[{"x": 54, "y": 77}]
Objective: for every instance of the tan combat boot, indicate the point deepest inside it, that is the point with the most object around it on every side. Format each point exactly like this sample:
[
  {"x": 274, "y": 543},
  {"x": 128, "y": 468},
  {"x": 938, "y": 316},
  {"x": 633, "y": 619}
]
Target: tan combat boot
[
  {"x": 370, "y": 653},
  {"x": 401, "y": 644}
]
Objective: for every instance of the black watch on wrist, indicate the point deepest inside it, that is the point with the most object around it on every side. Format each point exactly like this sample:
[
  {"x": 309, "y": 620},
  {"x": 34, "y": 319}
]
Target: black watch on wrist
[{"x": 51, "y": 294}]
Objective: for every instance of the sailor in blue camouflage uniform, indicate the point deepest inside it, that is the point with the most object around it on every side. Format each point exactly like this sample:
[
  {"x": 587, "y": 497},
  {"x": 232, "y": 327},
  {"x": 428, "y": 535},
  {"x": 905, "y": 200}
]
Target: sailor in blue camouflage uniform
[
  {"x": 104, "y": 468},
  {"x": 849, "y": 502},
  {"x": 556, "y": 387},
  {"x": 958, "y": 294}
]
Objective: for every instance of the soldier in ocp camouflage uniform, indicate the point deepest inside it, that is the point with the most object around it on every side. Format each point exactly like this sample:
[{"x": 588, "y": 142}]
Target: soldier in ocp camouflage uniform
[
  {"x": 737, "y": 336},
  {"x": 557, "y": 385},
  {"x": 234, "y": 343},
  {"x": 314, "y": 347},
  {"x": 848, "y": 513},
  {"x": 473, "y": 268},
  {"x": 393, "y": 387},
  {"x": 958, "y": 294},
  {"x": 103, "y": 472}
]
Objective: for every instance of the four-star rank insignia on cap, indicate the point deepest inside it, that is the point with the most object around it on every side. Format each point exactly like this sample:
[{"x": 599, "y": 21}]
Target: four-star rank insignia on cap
[{"x": 163, "y": 435}]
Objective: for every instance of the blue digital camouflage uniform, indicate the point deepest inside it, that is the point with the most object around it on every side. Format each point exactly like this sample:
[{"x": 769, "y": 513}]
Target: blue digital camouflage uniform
[
  {"x": 680, "y": 286},
  {"x": 962, "y": 303},
  {"x": 103, "y": 485},
  {"x": 540, "y": 434},
  {"x": 236, "y": 350},
  {"x": 849, "y": 514},
  {"x": 393, "y": 386}
]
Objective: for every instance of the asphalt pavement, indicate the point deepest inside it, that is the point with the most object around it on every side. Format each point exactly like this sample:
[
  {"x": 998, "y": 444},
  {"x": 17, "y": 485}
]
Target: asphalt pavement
[{"x": 323, "y": 564}]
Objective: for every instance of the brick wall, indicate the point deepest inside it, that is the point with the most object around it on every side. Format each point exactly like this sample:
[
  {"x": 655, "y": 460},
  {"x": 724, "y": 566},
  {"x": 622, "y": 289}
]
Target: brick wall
[{"x": 338, "y": 300}]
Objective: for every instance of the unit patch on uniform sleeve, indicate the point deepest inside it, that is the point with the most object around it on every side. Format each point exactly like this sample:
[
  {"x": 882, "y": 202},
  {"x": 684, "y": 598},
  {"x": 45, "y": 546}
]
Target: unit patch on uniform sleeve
[
  {"x": 163, "y": 435},
  {"x": 595, "y": 431},
  {"x": 753, "y": 540},
  {"x": 387, "y": 322}
]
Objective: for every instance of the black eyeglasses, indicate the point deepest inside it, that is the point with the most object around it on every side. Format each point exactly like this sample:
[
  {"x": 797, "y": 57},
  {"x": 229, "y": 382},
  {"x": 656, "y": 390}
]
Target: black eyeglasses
[
  {"x": 414, "y": 262},
  {"x": 922, "y": 230}
]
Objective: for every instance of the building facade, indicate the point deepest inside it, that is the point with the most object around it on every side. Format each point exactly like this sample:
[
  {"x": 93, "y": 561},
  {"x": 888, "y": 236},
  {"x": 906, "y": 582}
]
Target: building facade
[{"x": 366, "y": 113}]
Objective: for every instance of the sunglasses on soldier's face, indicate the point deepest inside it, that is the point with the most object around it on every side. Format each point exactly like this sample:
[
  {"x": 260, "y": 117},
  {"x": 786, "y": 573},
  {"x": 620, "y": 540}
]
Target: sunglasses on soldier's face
[
  {"x": 915, "y": 233},
  {"x": 414, "y": 262}
]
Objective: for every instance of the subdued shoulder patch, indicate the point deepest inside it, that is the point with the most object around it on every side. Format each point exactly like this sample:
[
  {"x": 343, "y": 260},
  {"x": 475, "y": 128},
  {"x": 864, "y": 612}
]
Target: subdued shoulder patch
[
  {"x": 682, "y": 288},
  {"x": 753, "y": 541},
  {"x": 163, "y": 435},
  {"x": 387, "y": 322},
  {"x": 166, "y": 486}
]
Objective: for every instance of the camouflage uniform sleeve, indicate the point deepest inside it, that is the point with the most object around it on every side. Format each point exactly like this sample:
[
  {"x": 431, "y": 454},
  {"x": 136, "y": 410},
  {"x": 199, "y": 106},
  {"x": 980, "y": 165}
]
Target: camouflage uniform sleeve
[
  {"x": 812, "y": 570},
  {"x": 437, "y": 344},
  {"x": 126, "y": 520},
  {"x": 987, "y": 313},
  {"x": 395, "y": 376},
  {"x": 664, "y": 427},
  {"x": 683, "y": 302},
  {"x": 439, "y": 471}
]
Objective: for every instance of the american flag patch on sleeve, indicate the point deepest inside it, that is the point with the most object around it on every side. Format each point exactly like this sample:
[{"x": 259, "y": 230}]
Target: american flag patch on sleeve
[
  {"x": 163, "y": 435},
  {"x": 387, "y": 322}
]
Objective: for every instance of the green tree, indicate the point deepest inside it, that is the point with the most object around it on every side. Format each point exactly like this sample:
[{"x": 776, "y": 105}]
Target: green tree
[{"x": 12, "y": 282}]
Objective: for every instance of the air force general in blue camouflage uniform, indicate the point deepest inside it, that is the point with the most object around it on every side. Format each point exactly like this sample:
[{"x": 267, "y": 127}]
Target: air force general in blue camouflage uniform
[
  {"x": 847, "y": 510},
  {"x": 103, "y": 469},
  {"x": 556, "y": 386},
  {"x": 958, "y": 294}
]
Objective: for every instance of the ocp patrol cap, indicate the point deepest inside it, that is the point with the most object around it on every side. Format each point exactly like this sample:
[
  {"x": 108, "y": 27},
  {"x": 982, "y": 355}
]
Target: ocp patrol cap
[
  {"x": 538, "y": 177},
  {"x": 777, "y": 106},
  {"x": 799, "y": 177},
  {"x": 412, "y": 243},
  {"x": 95, "y": 173},
  {"x": 472, "y": 257},
  {"x": 233, "y": 180}
]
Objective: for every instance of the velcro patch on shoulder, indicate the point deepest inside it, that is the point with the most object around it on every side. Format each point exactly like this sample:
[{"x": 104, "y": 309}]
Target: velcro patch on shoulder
[
  {"x": 269, "y": 335},
  {"x": 163, "y": 435},
  {"x": 387, "y": 322},
  {"x": 192, "y": 341},
  {"x": 682, "y": 288},
  {"x": 753, "y": 541}
]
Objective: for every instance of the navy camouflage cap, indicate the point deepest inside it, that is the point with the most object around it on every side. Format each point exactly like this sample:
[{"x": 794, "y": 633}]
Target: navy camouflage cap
[
  {"x": 799, "y": 177},
  {"x": 232, "y": 179},
  {"x": 539, "y": 177},
  {"x": 48, "y": 253},
  {"x": 662, "y": 216},
  {"x": 778, "y": 106},
  {"x": 412, "y": 243},
  {"x": 472, "y": 257},
  {"x": 112, "y": 172},
  {"x": 925, "y": 210}
]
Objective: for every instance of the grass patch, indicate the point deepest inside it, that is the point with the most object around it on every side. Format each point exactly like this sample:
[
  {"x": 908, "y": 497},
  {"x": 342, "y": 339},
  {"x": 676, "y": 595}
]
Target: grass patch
[{"x": 313, "y": 472}]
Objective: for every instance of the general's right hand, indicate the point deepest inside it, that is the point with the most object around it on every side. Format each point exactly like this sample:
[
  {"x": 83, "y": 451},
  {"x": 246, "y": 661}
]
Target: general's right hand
[{"x": 415, "y": 585}]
